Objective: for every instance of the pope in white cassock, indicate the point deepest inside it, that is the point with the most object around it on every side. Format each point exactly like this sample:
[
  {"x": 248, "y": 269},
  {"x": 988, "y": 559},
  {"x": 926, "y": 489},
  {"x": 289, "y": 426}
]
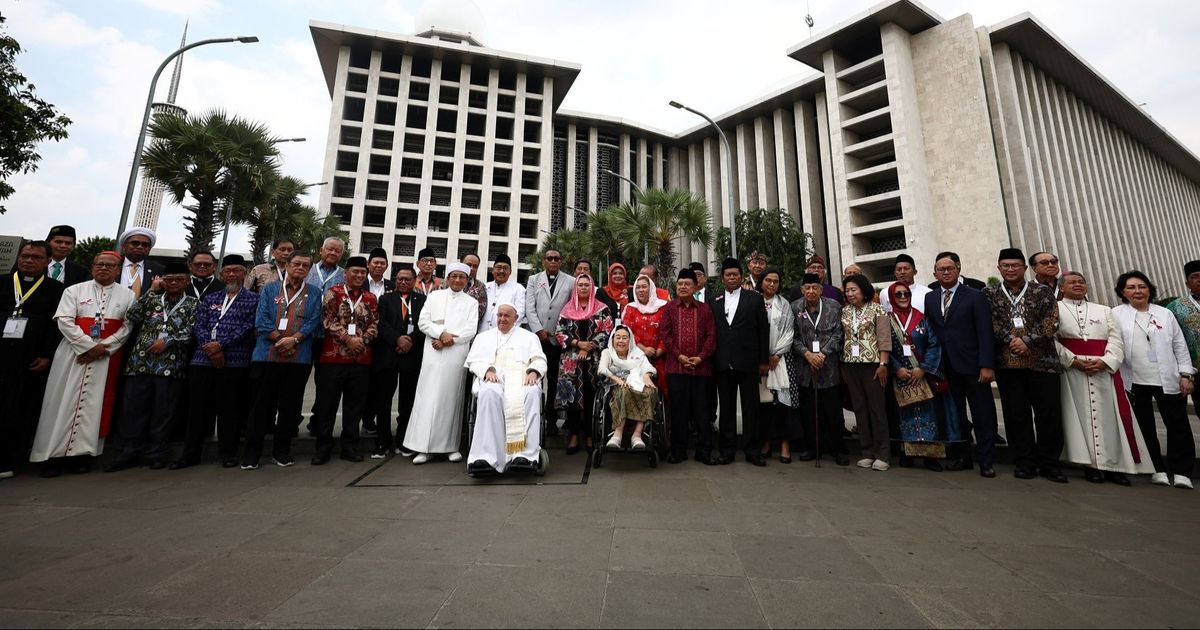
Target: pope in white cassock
[
  {"x": 508, "y": 364},
  {"x": 77, "y": 411},
  {"x": 449, "y": 320},
  {"x": 1098, "y": 425}
]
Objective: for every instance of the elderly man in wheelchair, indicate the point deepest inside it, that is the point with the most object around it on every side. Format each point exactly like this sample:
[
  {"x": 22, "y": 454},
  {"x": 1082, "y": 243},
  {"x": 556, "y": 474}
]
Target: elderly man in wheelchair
[{"x": 508, "y": 364}]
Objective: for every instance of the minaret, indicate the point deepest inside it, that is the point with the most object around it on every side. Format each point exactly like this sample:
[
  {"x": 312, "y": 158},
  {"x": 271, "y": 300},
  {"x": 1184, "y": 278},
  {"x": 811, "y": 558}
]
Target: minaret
[{"x": 150, "y": 198}]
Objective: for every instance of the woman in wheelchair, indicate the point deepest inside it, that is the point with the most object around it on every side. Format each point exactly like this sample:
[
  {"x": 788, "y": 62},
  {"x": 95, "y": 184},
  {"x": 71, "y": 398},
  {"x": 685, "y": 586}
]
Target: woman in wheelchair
[{"x": 631, "y": 376}]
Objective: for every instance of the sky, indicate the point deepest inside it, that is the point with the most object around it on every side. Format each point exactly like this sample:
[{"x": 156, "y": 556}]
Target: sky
[{"x": 93, "y": 59}]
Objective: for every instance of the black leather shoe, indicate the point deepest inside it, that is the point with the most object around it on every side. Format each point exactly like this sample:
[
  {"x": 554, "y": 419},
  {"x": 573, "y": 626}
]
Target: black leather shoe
[
  {"x": 119, "y": 464},
  {"x": 705, "y": 459},
  {"x": 1117, "y": 478},
  {"x": 725, "y": 460},
  {"x": 80, "y": 465},
  {"x": 181, "y": 464},
  {"x": 987, "y": 472},
  {"x": 842, "y": 459},
  {"x": 785, "y": 460},
  {"x": 50, "y": 470},
  {"x": 320, "y": 459},
  {"x": 1055, "y": 475},
  {"x": 352, "y": 456},
  {"x": 1093, "y": 475},
  {"x": 157, "y": 464},
  {"x": 675, "y": 458},
  {"x": 806, "y": 456},
  {"x": 478, "y": 466},
  {"x": 757, "y": 460},
  {"x": 1024, "y": 473},
  {"x": 229, "y": 463},
  {"x": 934, "y": 465},
  {"x": 960, "y": 464},
  {"x": 1000, "y": 441}
]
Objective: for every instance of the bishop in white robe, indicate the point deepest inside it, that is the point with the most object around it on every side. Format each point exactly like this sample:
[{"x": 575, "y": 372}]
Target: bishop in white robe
[
  {"x": 449, "y": 320},
  {"x": 508, "y": 364},
  {"x": 81, "y": 388},
  {"x": 1098, "y": 424}
]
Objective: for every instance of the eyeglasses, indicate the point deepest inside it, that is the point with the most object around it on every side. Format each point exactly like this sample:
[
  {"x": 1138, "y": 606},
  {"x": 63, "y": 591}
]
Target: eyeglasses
[
  {"x": 553, "y": 258},
  {"x": 428, "y": 260},
  {"x": 901, "y": 294},
  {"x": 145, "y": 244},
  {"x": 1012, "y": 266},
  {"x": 106, "y": 265},
  {"x": 202, "y": 264},
  {"x": 944, "y": 269},
  {"x": 1052, "y": 261}
]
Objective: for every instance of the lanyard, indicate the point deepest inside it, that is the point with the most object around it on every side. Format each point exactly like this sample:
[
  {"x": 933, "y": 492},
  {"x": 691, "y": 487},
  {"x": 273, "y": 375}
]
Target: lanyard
[
  {"x": 167, "y": 314},
  {"x": 355, "y": 303},
  {"x": 104, "y": 293},
  {"x": 226, "y": 302},
  {"x": 280, "y": 270},
  {"x": 1150, "y": 325},
  {"x": 323, "y": 277},
  {"x": 856, "y": 318},
  {"x": 287, "y": 302},
  {"x": 17, "y": 291},
  {"x": 1017, "y": 300},
  {"x": 904, "y": 324},
  {"x": 199, "y": 292},
  {"x": 820, "y": 310}
]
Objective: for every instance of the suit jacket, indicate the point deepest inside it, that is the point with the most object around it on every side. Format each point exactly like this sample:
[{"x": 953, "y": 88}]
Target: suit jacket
[
  {"x": 213, "y": 287},
  {"x": 978, "y": 285},
  {"x": 391, "y": 327},
  {"x": 541, "y": 306},
  {"x": 965, "y": 331},
  {"x": 153, "y": 270},
  {"x": 73, "y": 273},
  {"x": 745, "y": 344},
  {"x": 41, "y": 332}
]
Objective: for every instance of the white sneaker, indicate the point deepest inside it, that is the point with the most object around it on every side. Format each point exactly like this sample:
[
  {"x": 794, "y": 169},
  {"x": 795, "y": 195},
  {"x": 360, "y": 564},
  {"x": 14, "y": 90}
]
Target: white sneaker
[
  {"x": 421, "y": 458},
  {"x": 6, "y": 474},
  {"x": 880, "y": 465},
  {"x": 403, "y": 452},
  {"x": 455, "y": 457},
  {"x": 865, "y": 462},
  {"x": 614, "y": 443},
  {"x": 1160, "y": 479},
  {"x": 1183, "y": 482},
  {"x": 637, "y": 444}
]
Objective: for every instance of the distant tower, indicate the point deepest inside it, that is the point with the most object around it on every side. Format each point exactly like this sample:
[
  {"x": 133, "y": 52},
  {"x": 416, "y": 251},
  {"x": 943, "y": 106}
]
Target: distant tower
[{"x": 151, "y": 197}]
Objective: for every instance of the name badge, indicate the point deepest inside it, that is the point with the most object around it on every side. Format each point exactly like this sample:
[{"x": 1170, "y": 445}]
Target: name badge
[
  {"x": 816, "y": 346},
  {"x": 907, "y": 348},
  {"x": 95, "y": 331},
  {"x": 410, "y": 328},
  {"x": 15, "y": 328},
  {"x": 1018, "y": 322},
  {"x": 855, "y": 351},
  {"x": 162, "y": 335},
  {"x": 1152, "y": 356},
  {"x": 214, "y": 333},
  {"x": 352, "y": 329},
  {"x": 283, "y": 324}
]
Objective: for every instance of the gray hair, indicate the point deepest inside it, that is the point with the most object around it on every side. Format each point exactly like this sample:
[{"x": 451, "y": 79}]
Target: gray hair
[{"x": 334, "y": 238}]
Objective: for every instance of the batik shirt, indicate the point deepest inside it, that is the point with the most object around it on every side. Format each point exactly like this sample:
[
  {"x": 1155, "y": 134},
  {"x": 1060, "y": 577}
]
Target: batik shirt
[
  {"x": 824, "y": 327},
  {"x": 343, "y": 309},
  {"x": 234, "y": 329},
  {"x": 1037, "y": 311},
  {"x": 1187, "y": 311},
  {"x": 161, "y": 318}
]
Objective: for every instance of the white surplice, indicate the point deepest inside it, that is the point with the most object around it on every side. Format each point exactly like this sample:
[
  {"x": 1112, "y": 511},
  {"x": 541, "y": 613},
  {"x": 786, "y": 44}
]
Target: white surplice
[
  {"x": 508, "y": 414},
  {"x": 79, "y": 398},
  {"x": 510, "y": 292},
  {"x": 1094, "y": 433},
  {"x": 436, "y": 420}
]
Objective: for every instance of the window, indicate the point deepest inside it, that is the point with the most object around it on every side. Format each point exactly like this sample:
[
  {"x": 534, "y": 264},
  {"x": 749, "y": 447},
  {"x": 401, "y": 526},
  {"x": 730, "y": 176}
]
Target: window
[
  {"x": 380, "y": 165},
  {"x": 468, "y": 246},
  {"x": 356, "y": 82},
  {"x": 439, "y": 196},
  {"x": 411, "y": 167},
  {"x": 476, "y": 124},
  {"x": 343, "y": 187},
  {"x": 451, "y": 70},
  {"x": 534, "y": 83},
  {"x": 499, "y": 226},
  {"x": 474, "y": 150},
  {"x": 504, "y": 128},
  {"x": 533, "y": 131},
  {"x": 500, "y": 202},
  {"x": 360, "y": 55},
  {"x": 533, "y": 106},
  {"x": 531, "y": 157},
  {"x": 353, "y": 109},
  {"x": 529, "y": 180},
  {"x": 347, "y": 161},
  {"x": 342, "y": 211},
  {"x": 373, "y": 216},
  {"x": 448, "y": 95},
  {"x": 503, "y": 154},
  {"x": 443, "y": 146},
  {"x": 414, "y": 143},
  {"x": 443, "y": 171},
  {"x": 529, "y": 204},
  {"x": 377, "y": 190},
  {"x": 422, "y": 66},
  {"x": 370, "y": 241},
  {"x": 506, "y": 103},
  {"x": 501, "y": 177},
  {"x": 351, "y": 136},
  {"x": 389, "y": 87},
  {"x": 382, "y": 140},
  {"x": 390, "y": 60},
  {"x": 477, "y": 99},
  {"x": 472, "y": 199},
  {"x": 438, "y": 245},
  {"x": 385, "y": 113},
  {"x": 472, "y": 174},
  {"x": 480, "y": 74},
  {"x": 404, "y": 246},
  {"x": 416, "y": 117},
  {"x": 410, "y": 194},
  {"x": 406, "y": 219},
  {"x": 508, "y": 80},
  {"x": 447, "y": 120},
  {"x": 468, "y": 224},
  {"x": 418, "y": 91},
  {"x": 528, "y": 228},
  {"x": 439, "y": 222}
]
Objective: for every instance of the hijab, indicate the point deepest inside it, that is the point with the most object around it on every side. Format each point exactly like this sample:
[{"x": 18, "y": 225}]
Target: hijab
[
  {"x": 618, "y": 292},
  {"x": 902, "y": 314},
  {"x": 572, "y": 311},
  {"x": 653, "y": 302}
]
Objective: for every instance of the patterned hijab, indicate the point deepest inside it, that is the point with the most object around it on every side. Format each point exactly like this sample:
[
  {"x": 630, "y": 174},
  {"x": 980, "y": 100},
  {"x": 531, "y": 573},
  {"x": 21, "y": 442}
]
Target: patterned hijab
[{"x": 572, "y": 311}]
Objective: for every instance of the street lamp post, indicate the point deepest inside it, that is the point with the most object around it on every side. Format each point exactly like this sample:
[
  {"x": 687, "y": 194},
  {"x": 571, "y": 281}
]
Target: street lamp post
[
  {"x": 229, "y": 207},
  {"x": 728, "y": 173},
  {"x": 641, "y": 193},
  {"x": 141, "y": 141}
]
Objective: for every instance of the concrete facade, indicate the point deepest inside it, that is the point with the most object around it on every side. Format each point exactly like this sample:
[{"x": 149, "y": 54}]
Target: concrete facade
[{"x": 918, "y": 135}]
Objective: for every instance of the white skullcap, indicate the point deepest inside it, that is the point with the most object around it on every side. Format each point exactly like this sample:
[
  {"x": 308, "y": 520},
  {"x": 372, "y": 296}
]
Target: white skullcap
[
  {"x": 457, "y": 266},
  {"x": 134, "y": 231}
]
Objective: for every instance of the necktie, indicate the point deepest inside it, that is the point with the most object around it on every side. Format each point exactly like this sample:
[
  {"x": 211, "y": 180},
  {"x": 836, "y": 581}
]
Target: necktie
[
  {"x": 135, "y": 285},
  {"x": 946, "y": 295},
  {"x": 57, "y": 270}
]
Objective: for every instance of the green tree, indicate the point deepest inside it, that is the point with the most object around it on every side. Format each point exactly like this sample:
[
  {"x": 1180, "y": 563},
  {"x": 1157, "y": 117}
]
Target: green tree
[
  {"x": 572, "y": 244},
  {"x": 310, "y": 230},
  {"x": 215, "y": 158},
  {"x": 87, "y": 249},
  {"x": 25, "y": 119},
  {"x": 654, "y": 220},
  {"x": 272, "y": 211},
  {"x": 774, "y": 233}
]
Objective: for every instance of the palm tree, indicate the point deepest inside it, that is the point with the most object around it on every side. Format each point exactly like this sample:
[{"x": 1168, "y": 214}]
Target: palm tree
[
  {"x": 272, "y": 211},
  {"x": 310, "y": 230},
  {"x": 656, "y": 218},
  {"x": 214, "y": 158},
  {"x": 572, "y": 244}
]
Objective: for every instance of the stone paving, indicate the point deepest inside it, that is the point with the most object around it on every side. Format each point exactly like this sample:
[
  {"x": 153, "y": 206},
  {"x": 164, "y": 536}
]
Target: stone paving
[{"x": 393, "y": 544}]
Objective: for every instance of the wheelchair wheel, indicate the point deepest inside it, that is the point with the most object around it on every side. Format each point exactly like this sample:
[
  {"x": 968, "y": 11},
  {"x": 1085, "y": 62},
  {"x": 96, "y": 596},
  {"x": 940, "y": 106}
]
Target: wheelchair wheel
[
  {"x": 652, "y": 458},
  {"x": 543, "y": 463}
]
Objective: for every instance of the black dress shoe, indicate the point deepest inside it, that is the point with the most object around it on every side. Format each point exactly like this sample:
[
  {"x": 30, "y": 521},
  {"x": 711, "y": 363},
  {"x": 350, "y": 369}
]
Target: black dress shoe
[
  {"x": 81, "y": 465},
  {"x": 1117, "y": 478},
  {"x": 960, "y": 464},
  {"x": 933, "y": 465},
  {"x": 229, "y": 463},
  {"x": 119, "y": 464},
  {"x": 806, "y": 456},
  {"x": 1055, "y": 475},
  {"x": 725, "y": 460},
  {"x": 757, "y": 460},
  {"x": 1093, "y": 475},
  {"x": 352, "y": 456},
  {"x": 181, "y": 464},
  {"x": 987, "y": 472},
  {"x": 1024, "y": 473},
  {"x": 157, "y": 464},
  {"x": 319, "y": 459},
  {"x": 51, "y": 470},
  {"x": 1000, "y": 441},
  {"x": 705, "y": 459},
  {"x": 675, "y": 458},
  {"x": 785, "y": 460},
  {"x": 571, "y": 450},
  {"x": 842, "y": 459}
]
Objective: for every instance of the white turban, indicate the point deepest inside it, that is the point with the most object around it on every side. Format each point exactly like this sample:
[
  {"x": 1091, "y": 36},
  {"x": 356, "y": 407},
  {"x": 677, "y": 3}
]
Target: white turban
[
  {"x": 135, "y": 231},
  {"x": 457, "y": 266}
]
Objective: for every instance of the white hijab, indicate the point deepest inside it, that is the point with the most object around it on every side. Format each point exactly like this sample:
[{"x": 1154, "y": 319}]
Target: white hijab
[{"x": 652, "y": 304}]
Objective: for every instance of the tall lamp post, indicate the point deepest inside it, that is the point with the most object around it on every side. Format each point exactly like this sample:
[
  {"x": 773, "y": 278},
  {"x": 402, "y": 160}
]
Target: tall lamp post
[
  {"x": 229, "y": 206},
  {"x": 640, "y": 192},
  {"x": 728, "y": 173},
  {"x": 141, "y": 141}
]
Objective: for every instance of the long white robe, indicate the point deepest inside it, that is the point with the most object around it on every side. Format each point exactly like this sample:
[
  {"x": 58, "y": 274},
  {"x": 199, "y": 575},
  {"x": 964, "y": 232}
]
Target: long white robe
[
  {"x": 510, "y": 292},
  {"x": 79, "y": 398},
  {"x": 1094, "y": 433},
  {"x": 436, "y": 420},
  {"x": 508, "y": 414}
]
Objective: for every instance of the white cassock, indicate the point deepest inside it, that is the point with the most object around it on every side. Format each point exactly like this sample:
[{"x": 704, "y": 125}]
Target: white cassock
[
  {"x": 1098, "y": 425},
  {"x": 436, "y": 420},
  {"x": 511, "y": 293},
  {"x": 77, "y": 410},
  {"x": 918, "y": 297},
  {"x": 508, "y": 414}
]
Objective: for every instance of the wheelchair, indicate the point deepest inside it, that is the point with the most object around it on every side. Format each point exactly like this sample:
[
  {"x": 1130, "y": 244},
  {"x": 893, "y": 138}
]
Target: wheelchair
[
  {"x": 656, "y": 433},
  {"x": 538, "y": 468}
]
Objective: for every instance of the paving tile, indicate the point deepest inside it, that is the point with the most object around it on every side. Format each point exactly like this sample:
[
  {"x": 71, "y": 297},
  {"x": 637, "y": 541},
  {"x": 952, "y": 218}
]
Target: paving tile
[
  {"x": 1169, "y": 568},
  {"x": 773, "y": 518},
  {"x": 792, "y": 557},
  {"x": 552, "y": 545},
  {"x": 568, "y": 506},
  {"x": 664, "y": 489},
  {"x": 1133, "y": 612},
  {"x": 389, "y": 503},
  {"x": 1056, "y": 570},
  {"x": 664, "y": 514},
  {"x": 15, "y": 618},
  {"x": 469, "y": 504},
  {"x": 682, "y": 553},
  {"x": 495, "y": 596},
  {"x": 979, "y": 608},
  {"x": 1180, "y": 537},
  {"x": 373, "y": 593},
  {"x": 193, "y": 495},
  {"x": 199, "y": 531},
  {"x": 445, "y": 542},
  {"x": 1106, "y": 534},
  {"x": 100, "y": 526},
  {"x": 1002, "y": 527},
  {"x": 102, "y": 579},
  {"x": 758, "y": 492},
  {"x": 641, "y": 600},
  {"x": 238, "y": 585},
  {"x": 895, "y": 523},
  {"x": 151, "y": 621},
  {"x": 88, "y": 490},
  {"x": 21, "y": 560},
  {"x": 272, "y": 500},
  {"x": 319, "y": 534},
  {"x": 936, "y": 564},
  {"x": 819, "y": 604},
  {"x": 15, "y": 518}
]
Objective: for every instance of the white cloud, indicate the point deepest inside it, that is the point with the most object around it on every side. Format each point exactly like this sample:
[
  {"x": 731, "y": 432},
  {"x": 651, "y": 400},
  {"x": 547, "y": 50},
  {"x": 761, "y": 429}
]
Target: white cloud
[{"x": 185, "y": 8}]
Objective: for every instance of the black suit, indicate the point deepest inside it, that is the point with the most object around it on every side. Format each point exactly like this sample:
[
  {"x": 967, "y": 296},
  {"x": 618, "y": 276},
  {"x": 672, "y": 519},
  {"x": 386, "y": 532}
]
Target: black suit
[
  {"x": 368, "y": 414},
  {"x": 965, "y": 332},
  {"x": 742, "y": 346},
  {"x": 21, "y": 390},
  {"x": 390, "y": 369},
  {"x": 151, "y": 271},
  {"x": 72, "y": 273}
]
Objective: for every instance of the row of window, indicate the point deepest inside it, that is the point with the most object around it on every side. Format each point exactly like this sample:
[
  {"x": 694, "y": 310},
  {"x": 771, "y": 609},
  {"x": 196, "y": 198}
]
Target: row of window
[
  {"x": 405, "y": 245},
  {"x": 440, "y": 171},
  {"x": 447, "y": 119},
  {"x": 410, "y": 194},
  {"x": 384, "y": 140},
  {"x": 391, "y": 61},
  {"x": 447, "y": 95}
]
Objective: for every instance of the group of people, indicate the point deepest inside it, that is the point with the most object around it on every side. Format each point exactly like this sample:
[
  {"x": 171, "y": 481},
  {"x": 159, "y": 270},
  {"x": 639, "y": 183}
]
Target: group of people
[{"x": 140, "y": 353}]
